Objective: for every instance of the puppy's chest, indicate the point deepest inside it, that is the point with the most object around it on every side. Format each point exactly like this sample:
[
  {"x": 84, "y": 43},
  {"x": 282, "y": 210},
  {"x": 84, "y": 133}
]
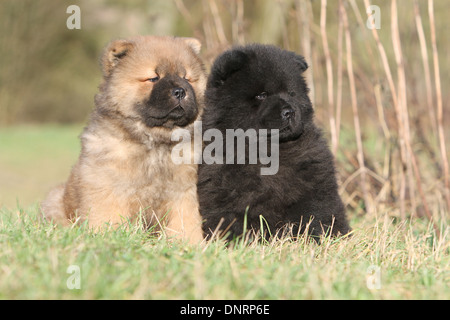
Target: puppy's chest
[
  {"x": 155, "y": 169},
  {"x": 135, "y": 169},
  {"x": 288, "y": 184}
]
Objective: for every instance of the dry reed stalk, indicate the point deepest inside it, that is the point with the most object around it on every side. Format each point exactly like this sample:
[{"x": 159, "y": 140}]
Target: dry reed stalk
[
  {"x": 422, "y": 194},
  {"x": 218, "y": 22},
  {"x": 283, "y": 24},
  {"x": 437, "y": 80},
  {"x": 185, "y": 13},
  {"x": 378, "y": 99},
  {"x": 210, "y": 40},
  {"x": 364, "y": 32},
  {"x": 403, "y": 103},
  {"x": 326, "y": 49},
  {"x": 303, "y": 21},
  {"x": 358, "y": 134},
  {"x": 339, "y": 81},
  {"x": 386, "y": 132},
  {"x": 426, "y": 67},
  {"x": 384, "y": 60},
  {"x": 402, "y": 100},
  {"x": 237, "y": 27},
  {"x": 390, "y": 80}
]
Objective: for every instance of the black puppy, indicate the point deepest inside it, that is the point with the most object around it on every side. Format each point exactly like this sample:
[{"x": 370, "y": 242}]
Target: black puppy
[{"x": 261, "y": 87}]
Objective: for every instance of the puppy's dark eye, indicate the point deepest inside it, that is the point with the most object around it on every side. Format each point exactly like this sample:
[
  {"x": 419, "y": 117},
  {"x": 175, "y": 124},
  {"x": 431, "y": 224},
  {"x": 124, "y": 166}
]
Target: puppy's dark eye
[
  {"x": 292, "y": 93},
  {"x": 153, "y": 79},
  {"x": 261, "y": 96}
]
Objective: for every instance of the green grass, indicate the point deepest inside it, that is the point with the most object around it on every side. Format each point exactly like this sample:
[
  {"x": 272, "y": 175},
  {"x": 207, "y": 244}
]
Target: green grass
[
  {"x": 33, "y": 159},
  {"x": 131, "y": 264}
]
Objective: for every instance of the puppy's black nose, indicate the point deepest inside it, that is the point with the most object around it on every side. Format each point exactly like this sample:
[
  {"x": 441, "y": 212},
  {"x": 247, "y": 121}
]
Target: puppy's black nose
[
  {"x": 287, "y": 113},
  {"x": 179, "y": 93}
]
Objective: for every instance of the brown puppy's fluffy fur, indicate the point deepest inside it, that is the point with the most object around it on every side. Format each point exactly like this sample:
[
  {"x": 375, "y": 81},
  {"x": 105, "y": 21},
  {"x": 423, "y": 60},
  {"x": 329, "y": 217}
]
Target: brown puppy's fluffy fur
[{"x": 125, "y": 165}]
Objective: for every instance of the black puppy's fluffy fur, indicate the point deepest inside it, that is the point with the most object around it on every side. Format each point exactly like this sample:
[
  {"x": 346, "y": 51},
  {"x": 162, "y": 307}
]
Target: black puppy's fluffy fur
[{"x": 261, "y": 87}]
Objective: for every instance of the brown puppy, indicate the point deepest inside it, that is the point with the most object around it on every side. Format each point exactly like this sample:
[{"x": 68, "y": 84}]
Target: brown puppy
[{"x": 152, "y": 86}]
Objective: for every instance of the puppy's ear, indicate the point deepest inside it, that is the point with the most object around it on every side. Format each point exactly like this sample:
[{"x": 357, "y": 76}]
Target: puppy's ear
[
  {"x": 194, "y": 43},
  {"x": 113, "y": 54},
  {"x": 301, "y": 62},
  {"x": 227, "y": 64}
]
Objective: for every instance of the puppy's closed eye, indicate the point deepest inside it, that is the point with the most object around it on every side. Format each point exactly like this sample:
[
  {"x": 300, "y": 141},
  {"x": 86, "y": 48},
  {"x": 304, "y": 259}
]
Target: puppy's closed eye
[{"x": 154, "y": 79}]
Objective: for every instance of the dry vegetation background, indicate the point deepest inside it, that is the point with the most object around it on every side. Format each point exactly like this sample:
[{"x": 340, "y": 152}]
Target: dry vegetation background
[{"x": 380, "y": 95}]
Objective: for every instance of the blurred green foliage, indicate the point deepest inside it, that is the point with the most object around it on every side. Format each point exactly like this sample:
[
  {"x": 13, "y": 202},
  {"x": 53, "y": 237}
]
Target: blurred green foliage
[{"x": 49, "y": 73}]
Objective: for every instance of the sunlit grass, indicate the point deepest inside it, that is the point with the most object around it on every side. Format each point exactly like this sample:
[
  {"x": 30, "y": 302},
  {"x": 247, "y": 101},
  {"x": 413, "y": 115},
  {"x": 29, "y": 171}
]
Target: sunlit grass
[
  {"x": 33, "y": 159},
  {"x": 131, "y": 263},
  {"x": 128, "y": 263}
]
